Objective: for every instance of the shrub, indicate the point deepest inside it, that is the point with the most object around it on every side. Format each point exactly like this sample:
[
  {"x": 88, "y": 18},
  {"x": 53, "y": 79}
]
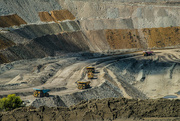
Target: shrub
[{"x": 10, "y": 102}]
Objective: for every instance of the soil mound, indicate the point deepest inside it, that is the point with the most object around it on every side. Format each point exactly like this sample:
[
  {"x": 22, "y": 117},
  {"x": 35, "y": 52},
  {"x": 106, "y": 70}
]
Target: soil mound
[
  {"x": 106, "y": 109},
  {"x": 11, "y": 20}
]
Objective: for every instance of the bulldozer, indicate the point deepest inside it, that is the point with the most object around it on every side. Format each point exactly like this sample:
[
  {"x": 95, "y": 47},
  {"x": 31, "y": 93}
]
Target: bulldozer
[
  {"x": 147, "y": 53},
  {"x": 90, "y": 69},
  {"x": 83, "y": 84},
  {"x": 41, "y": 92}
]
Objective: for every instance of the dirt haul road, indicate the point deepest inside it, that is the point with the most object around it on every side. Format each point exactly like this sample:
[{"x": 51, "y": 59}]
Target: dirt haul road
[{"x": 60, "y": 74}]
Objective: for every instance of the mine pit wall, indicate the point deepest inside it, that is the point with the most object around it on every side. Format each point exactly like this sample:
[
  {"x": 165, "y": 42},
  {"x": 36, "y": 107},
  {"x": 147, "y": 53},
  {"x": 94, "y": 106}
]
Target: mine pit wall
[
  {"x": 47, "y": 46},
  {"x": 127, "y": 24},
  {"x": 27, "y": 9},
  {"x": 76, "y": 25},
  {"x": 143, "y": 38},
  {"x": 11, "y": 20},
  {"x": 56, "y": 15}
]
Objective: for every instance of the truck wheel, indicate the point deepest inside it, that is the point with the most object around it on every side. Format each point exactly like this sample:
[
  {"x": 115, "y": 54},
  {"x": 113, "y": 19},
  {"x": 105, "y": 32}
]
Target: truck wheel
[
  {"x": 35, "y": 94},
  {"x": 79, "y": 86}
]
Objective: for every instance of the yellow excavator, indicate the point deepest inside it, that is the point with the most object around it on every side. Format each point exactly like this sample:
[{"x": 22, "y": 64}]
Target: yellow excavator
[{"x": 83, "y": 84}]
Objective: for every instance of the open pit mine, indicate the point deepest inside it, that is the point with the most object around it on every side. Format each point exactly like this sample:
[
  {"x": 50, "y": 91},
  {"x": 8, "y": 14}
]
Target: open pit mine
[{"x": 86, "y": 60}]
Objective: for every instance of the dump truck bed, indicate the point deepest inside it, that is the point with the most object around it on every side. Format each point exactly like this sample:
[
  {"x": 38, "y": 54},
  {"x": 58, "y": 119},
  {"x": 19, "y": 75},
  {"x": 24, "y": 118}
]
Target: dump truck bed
[{"x": 44, "y": 90}]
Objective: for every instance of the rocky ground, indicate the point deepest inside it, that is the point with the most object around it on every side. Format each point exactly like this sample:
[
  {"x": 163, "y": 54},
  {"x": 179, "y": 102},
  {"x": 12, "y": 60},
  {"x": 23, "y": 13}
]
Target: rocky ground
[
  {"x": 124, "y": 75},
  {"x": 97, "y": 110}
]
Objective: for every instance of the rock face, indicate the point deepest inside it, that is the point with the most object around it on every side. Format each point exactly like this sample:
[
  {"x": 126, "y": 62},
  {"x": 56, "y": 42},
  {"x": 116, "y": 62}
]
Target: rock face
[{"x": 78, "y": 25}]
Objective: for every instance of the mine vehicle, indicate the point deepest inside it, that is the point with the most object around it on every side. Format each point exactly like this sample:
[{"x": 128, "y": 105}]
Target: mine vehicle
[
  {"x": 147, "y": 53},
  {"x": 83, "y": 84},
  {"x": 41, "y": 92},
  {"x": 90, "y": 69},
  {"x": 90, "y": 72},
  {"x": 90, "y": 75}
]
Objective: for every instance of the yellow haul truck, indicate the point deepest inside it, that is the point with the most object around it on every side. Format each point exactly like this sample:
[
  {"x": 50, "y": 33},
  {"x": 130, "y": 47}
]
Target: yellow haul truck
[
  {"x": 90, "y": 69},
  {"x": 90, "y": 72},
  {"x": 83, "y": 84},
  {"x": 90, "y": 75}
]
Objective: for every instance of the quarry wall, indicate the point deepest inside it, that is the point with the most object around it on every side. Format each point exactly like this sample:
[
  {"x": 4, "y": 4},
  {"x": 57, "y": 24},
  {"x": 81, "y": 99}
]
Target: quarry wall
[{"x": 83, "y": 25}]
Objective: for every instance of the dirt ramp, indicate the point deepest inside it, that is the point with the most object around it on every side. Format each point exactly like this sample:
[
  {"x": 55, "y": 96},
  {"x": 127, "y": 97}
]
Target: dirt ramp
[
  {"x": 11, "y": 20},
  {"x": 60, "y": 15}
]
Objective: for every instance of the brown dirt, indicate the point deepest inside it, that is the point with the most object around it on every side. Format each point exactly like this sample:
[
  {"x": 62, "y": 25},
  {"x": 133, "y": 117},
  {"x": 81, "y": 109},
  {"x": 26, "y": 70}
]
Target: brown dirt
[
  {"x": 60, "y": 15},
  {"x": 162, "y": 37},
  {"x": 45, "y": 17},
  {"x": 11, "y": 20},
  {"x": 106, "y": 109},
  {"x": 155, "y": 37},
  {"x": 123, "y": 38}
]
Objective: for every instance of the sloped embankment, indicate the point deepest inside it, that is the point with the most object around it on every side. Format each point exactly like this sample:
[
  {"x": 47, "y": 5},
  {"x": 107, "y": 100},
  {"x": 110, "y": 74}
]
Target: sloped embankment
[
  {"x": 106, "y": 109},
  {"x": 102, "y": 26},
  {"x": 11, "y": 20},
  {"x": 57, "y": 15},
  {"x": 27, "y": 9},
  {"x": 47, "y": 46},
  {"x": 5, "y": 43},
  {"x": 143, "y": 38}
]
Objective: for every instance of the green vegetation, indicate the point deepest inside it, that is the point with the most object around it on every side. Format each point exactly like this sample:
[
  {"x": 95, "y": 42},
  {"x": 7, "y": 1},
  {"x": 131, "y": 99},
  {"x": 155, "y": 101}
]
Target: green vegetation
[{"x": 10, "y": 102}]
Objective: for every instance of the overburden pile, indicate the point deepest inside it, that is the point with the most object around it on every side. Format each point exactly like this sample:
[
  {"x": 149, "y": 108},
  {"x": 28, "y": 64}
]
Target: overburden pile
[{"x": 106, "y": 109}]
